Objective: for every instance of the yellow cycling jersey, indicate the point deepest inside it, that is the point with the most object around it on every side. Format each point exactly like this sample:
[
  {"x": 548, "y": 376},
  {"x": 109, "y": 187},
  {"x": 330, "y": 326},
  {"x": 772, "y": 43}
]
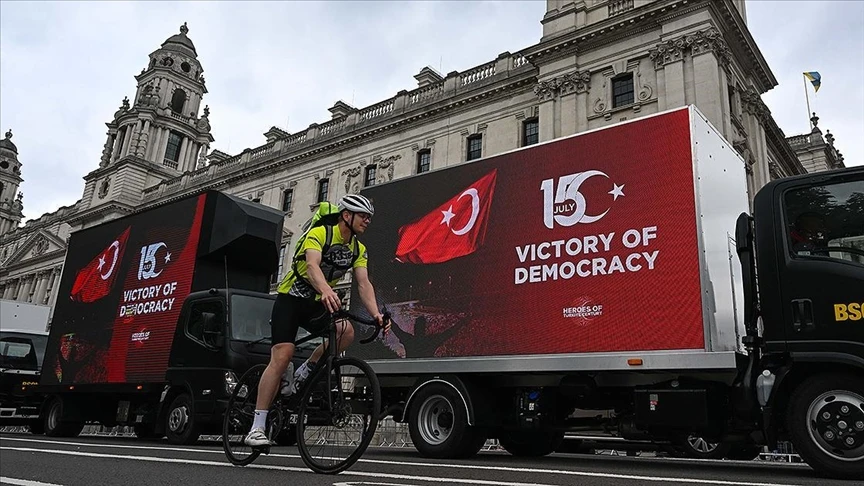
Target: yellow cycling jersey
[{"x": 334, "y": 263}]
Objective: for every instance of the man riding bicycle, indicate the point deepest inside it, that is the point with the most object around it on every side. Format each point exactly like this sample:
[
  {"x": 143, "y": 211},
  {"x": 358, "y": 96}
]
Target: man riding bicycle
[{"x": 305, "y": 297}]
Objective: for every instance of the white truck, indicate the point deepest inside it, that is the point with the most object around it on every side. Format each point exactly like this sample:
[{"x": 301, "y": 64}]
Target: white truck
[
  {"x": 608, "y": 280},
  {"x": 23, "y": 336}
]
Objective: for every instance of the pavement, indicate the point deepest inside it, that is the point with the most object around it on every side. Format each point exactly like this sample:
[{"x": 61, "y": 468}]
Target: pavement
[{"x": 31, "y": 460}]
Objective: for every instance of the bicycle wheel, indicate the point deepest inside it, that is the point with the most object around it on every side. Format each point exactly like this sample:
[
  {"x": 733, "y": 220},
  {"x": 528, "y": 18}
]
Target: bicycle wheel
[
  {"x": 336, "y": 403},
  {"x": 239, "y": 415}
]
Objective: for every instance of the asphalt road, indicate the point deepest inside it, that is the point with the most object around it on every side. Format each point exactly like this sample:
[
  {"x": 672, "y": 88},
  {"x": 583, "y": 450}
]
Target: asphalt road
[{"x": 30, "y": 460}]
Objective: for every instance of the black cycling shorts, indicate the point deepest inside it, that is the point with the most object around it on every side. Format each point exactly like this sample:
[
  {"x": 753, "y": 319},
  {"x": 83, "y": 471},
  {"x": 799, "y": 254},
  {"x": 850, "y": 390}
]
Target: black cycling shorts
[{"x": 290, "y": 313}]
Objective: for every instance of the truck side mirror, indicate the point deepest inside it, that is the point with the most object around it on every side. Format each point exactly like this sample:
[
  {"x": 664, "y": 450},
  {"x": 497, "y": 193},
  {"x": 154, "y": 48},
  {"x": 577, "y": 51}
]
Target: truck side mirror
[{"x": 213, "y": 333}]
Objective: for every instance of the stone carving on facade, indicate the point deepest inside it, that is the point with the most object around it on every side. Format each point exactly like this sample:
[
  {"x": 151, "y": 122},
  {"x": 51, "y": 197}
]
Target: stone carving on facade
[
  {"x": 350, "y": 174},
  {"x": 389, "y": 164},
  {"x": 149, "y": 97},
  {"x": 18, "y": 205},
  {"x": 600, "y": 103},
  {"x": 106, "y": 152},
  {"x": 40, "y": 247},
  {"x": 645, "y": 89},
  {"x": 203, "y": 124},
  {"x": 103, "y": 188},
  {"x": 753, "y": 104},
  {"x": 577, "y": 81},
  {"x": 124, "y": 107},
  {"x": 674, "y": 50}
]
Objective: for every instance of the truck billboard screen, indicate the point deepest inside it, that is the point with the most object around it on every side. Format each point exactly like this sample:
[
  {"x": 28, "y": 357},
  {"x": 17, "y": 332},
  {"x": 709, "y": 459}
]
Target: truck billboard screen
[
  {"x": 586, "y": 244},
  {"x": 122, "y": 290}
]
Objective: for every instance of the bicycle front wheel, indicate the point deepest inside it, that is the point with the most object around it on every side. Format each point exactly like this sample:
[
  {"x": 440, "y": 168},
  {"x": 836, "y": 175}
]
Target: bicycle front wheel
[
  {"x": 338, "y": 415},
  {"x": 239, "y": 415}
]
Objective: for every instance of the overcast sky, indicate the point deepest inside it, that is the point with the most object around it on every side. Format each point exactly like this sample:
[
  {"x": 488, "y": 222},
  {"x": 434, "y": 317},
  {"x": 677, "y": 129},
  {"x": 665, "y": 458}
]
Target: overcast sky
[{"x": 66, "y": 66}]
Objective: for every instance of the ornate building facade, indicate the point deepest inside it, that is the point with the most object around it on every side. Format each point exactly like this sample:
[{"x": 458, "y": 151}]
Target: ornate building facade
[{"x": 598, "y": 62}]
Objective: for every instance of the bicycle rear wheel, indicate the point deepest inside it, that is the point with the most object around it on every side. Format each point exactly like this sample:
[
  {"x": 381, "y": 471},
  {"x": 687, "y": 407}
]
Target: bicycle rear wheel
[
  {"x": 338, "y": 415},
  {"x": 239, "y": 415}
]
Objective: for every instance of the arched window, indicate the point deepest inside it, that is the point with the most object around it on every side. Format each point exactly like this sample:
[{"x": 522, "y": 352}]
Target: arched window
[{"x": 178, "y": 100}]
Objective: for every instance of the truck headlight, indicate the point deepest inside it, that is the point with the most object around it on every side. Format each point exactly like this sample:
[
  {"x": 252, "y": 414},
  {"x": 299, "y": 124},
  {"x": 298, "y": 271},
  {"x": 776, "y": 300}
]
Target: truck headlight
[{"x": 230, "y": 382}]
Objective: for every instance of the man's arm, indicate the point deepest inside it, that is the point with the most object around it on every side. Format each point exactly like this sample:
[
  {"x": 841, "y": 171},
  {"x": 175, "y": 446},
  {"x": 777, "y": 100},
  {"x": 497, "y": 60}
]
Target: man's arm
[
  {"x": 367, "y": 295},
  {"x": 316, "y": 278}
]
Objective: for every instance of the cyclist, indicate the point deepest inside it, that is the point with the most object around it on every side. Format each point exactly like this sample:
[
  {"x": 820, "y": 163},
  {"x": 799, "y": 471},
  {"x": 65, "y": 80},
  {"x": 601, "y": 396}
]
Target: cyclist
[{"x": 305, "y": 297}]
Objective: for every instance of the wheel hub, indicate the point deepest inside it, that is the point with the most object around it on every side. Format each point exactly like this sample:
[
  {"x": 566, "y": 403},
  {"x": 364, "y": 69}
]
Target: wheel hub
[
  {"x": 435, "y": 420},
  {"x": 836, "y": 421},
  {"x": 178, "y": 419}
]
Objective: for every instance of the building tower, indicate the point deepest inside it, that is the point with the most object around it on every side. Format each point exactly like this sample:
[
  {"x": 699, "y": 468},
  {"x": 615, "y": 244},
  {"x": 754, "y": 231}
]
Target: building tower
[
  {"x": 11, "y": 203},
  {"x": 158, "y": 136}
]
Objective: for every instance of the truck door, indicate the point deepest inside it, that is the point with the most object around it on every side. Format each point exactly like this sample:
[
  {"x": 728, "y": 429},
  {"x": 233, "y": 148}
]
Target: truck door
[{"x": 821, "y": 267}]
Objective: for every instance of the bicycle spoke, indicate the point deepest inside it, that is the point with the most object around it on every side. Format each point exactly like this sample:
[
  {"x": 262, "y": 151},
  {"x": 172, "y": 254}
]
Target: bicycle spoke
[{"x": 338, "y": 422}]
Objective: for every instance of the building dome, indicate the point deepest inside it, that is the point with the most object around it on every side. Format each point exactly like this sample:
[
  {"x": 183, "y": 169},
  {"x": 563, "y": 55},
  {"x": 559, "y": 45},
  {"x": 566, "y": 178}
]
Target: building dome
[
  {"x": 180, "y": 42},
  {"x": 7, "y": 144}
]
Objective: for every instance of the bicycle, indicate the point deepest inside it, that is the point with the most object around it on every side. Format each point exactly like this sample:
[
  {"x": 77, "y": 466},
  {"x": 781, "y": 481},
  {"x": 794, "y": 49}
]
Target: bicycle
[{"x": 317, "y": 404}]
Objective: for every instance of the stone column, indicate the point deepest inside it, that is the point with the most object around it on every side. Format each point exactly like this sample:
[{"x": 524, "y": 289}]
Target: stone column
[
  {"x": 182, "y": 158},
  {"x": 55, "y": 285},
  {"x": 711, "y": 56},
  {"x": 9, "y": 292},
  {"x": 143, "y": 139},
  {"x": 163, "y": 146},
  {"x": 24, "y": 288},
  {"x": 130, "y": 133},
  {"x": 668, "y": 57},
  {"x": 118, "y": 147},
  {"x": 44, "y": 278}
]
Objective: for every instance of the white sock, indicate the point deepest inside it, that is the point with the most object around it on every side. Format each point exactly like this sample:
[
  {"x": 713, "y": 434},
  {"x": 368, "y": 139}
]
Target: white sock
[{"x": 260, "y": 421}]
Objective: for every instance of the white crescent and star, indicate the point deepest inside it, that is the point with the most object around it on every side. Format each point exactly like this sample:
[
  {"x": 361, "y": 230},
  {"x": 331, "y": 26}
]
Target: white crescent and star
[
  {"x": 475, "y": 211},
  {"x": 116, "y": 247}
]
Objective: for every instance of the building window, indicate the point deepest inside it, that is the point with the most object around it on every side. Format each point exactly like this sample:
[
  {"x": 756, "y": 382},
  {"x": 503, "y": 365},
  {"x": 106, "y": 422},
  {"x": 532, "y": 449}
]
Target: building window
[
  {"x": 173, "y": 150},
  {"x": 278, "y": 274},
  {"x": 733, "y": 109},
  {"x": 287, "y": 199},
  {"x": 1, "y": 192},
  {"x": 369, "y": 179},
  {"x": 323, "y": 188},
  {"x": 178, "y": 100},
  {"x": 475, "y": 147},
  {"x": 622, "y": 90},
  {"x": 530, "y": 132},
  {"x": 424, "y": 161}
]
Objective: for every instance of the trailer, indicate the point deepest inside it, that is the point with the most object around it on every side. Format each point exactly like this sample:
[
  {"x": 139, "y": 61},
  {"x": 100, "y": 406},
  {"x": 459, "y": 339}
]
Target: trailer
[
  {"x": 607, "y": 281},
  {"x": 23, "y": 336},
  {"x": 157, "y": 315}
]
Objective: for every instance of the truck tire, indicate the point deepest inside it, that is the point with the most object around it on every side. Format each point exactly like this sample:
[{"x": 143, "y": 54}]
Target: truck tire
[
  {"x": 531, "y": 443},
  {"x": 695, "y": 447},
  {"x": 180, "y": 425},
  {"x": 54, "y": 426},
  {"x": 438, "y": 424},
  {"x": 826, "y": 423}
]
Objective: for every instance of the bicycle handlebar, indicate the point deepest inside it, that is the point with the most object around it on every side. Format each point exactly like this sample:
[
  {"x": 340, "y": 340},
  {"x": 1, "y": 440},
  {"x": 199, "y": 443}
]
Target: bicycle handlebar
[{"x": 369, "y": 322}]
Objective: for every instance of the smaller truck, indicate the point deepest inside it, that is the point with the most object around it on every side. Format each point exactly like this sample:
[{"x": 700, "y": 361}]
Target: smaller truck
[
  {"x": 158, "y": 314},
  {"x": 23, "y": 336}
]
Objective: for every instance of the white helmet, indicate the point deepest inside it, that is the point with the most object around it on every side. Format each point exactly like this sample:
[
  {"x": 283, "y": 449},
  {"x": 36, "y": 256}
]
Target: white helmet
[{"x": 357, "y": 204}]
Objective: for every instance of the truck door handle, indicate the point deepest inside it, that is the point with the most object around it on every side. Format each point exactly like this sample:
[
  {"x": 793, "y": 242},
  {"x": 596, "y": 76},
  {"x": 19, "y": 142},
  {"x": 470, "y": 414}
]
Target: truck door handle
[{"x": 802, "y": 314}]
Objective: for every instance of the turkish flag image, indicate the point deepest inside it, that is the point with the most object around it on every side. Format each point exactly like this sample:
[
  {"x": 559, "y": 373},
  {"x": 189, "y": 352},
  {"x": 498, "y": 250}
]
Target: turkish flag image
[
  {"x": 95, "y": 280},
  {"x": 454, "y": 229}
]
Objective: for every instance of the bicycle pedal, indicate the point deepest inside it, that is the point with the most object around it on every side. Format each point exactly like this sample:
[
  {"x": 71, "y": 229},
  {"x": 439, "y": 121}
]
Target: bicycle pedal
[{"x": 265, "y": 449}]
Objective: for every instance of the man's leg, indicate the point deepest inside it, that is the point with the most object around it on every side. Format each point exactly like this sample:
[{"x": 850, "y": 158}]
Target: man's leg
[{"x": 344, "y": 338}]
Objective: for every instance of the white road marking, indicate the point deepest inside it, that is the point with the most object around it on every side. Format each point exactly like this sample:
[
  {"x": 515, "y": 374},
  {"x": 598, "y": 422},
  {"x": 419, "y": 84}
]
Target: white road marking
[
  {"x": 408, "y": 477},
  {"x": 23, "y": 482},
  {"x": 364, "y": 483}
]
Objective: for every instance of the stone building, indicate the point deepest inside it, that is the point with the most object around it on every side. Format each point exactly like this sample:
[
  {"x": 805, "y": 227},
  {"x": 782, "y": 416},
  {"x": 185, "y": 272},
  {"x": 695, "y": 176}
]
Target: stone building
[{"x": 598, "y": 62}]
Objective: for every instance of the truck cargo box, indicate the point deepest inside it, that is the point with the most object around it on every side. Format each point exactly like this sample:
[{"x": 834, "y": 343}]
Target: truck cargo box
[
  {"x": 124, "y": 283},
  {"x": 578, "y": 253}
]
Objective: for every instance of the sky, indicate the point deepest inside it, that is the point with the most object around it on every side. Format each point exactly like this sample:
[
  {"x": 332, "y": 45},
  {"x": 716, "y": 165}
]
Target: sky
[{"x": 66, "y": 66}]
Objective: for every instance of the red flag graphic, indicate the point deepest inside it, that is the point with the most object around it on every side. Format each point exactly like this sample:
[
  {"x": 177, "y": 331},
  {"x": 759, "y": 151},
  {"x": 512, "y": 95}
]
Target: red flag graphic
[
  {"x": 96, "y": 279},
  {"x": 456, "y": 228}
]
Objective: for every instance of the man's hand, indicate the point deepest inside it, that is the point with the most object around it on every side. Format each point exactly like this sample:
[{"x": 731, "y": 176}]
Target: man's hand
[
  {"x": 331, "y": 300},
  {"x": 384, "y": 325}
]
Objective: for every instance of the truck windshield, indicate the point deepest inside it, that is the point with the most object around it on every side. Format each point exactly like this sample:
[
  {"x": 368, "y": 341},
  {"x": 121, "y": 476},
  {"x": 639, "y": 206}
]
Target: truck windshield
[
  {"x": 22, "y": 351},
  {"x": 250, "y": 317}
]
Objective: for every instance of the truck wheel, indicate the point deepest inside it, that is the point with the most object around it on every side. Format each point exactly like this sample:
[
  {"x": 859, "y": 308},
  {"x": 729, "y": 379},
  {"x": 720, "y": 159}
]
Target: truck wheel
[
  {"x": 826, "y": 424},
  {"x": 438, "y": 424},
  {"x": 531, "y": 443},
  {"x": 54, "y": 426},
  {"x": 180, "y": 426},
  {"x": 696, "y": 447}
]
